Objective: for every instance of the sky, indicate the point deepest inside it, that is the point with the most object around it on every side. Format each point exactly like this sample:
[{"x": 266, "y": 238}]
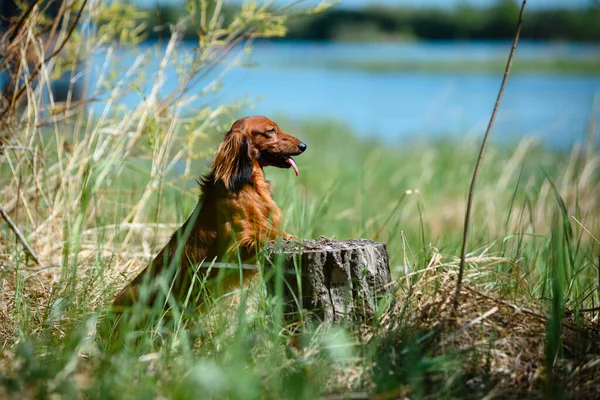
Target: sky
[{"x": 414, "y": 3}]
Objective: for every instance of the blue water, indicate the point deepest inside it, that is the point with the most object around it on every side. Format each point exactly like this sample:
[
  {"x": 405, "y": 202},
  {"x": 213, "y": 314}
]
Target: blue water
[{"x": 292, "y": 79}]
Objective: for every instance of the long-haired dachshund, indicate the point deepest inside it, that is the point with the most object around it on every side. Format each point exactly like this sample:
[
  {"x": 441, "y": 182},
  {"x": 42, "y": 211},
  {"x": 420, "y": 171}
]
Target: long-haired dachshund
[{"x": 234, "y": 217}]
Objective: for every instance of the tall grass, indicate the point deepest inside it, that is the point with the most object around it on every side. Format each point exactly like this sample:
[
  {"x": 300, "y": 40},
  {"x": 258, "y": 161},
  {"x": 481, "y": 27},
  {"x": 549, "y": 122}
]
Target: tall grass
[
  {"x": 527, "y": 249},
  {"x": 97, "y": 196}
]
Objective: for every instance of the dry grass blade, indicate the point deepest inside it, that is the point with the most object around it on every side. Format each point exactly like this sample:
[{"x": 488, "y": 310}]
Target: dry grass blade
[
  {"x": 17, "y": 27},
  {"x": 480, "y": 156},
  {"x": 468, "y": 325},
  {"x": 586, "y": 229},
  {"x": 19, "y": 235},
  {"x": 20, "y": 90}
]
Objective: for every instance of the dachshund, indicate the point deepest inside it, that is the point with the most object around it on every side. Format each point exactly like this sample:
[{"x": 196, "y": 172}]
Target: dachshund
[{"x": 234, "y": 217}]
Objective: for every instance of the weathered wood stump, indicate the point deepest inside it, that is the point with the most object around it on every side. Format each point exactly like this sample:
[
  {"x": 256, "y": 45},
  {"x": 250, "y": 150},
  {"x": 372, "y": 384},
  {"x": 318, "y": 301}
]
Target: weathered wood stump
[{"x": 333, "y": 280}]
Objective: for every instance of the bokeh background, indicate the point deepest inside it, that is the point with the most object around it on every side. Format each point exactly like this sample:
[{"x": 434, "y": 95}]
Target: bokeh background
[
  {"x": 401, "y": 69},
  {"x": 405, "y": 69}
]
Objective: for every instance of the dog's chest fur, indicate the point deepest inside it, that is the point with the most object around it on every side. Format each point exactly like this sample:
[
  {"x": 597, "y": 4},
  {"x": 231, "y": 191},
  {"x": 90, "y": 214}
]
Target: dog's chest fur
[{"x": 255, "y": 217}]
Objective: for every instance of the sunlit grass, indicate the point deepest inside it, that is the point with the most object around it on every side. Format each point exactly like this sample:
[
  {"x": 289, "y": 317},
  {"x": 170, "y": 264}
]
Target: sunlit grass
[
  {"x": 527, "y": 248},
  {"x": 98, "y": 195}
]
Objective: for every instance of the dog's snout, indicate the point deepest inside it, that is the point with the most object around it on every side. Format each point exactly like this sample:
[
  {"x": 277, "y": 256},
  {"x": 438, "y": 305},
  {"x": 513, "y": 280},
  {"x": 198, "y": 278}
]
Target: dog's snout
[{"x": 302, "y": 147}]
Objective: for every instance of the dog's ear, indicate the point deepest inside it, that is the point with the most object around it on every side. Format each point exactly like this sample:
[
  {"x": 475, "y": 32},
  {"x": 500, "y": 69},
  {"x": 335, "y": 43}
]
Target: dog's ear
[{"x": 233, "y": 164}]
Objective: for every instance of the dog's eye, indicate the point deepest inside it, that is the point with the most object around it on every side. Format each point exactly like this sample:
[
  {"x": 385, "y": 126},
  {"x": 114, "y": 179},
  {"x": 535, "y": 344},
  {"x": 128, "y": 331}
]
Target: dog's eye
[{"x": 270, "y": 132}]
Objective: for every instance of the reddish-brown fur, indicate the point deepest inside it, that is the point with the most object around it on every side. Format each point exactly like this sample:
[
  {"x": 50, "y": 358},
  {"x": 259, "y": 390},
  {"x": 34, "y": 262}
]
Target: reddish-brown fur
[{"x": 234, "y": 216}]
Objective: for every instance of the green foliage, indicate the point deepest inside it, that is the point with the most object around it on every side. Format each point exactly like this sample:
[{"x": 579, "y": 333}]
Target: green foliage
[
  {"x": 463, "y": 22},
  {"x": 199, "y": 16},
  {"x": 377, "y": 23},
  {"x": 417, "y": 207},
  {"x": 122, "y": 21},
  {"x": 98, "y": 194}
]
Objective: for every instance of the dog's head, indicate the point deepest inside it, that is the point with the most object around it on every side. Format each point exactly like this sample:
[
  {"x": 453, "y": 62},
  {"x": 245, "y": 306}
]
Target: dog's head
[{"x": 254, "y": 142}]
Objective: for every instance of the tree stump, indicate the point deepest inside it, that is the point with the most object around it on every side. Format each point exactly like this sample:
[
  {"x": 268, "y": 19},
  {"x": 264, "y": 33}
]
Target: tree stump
[{"x": 333, "y": 280}]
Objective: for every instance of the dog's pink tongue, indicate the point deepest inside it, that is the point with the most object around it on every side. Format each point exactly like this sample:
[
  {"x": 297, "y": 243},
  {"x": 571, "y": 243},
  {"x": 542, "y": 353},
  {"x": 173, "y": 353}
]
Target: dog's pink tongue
[{"x": 291, "y": 161}]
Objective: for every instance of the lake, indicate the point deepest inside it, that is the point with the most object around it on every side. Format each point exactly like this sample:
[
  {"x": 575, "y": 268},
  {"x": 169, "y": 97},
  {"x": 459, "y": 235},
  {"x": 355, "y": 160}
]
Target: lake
[{"x": 295, "y": 80}]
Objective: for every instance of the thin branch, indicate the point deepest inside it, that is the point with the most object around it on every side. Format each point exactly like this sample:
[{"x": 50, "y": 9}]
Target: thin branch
[
  {"x": 22, "y": 20},
  {"x": 69, "y": 33},
  {"x": 480, "y": 157},
  {"x": 16, "y": 98},
  {"x": 20, "y": 236},
  {"x": 586, "y": 310}
]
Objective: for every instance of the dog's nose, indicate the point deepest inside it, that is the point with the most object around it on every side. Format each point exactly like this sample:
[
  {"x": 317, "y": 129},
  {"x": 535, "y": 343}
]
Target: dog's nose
[{"x": 302, "y": 147}]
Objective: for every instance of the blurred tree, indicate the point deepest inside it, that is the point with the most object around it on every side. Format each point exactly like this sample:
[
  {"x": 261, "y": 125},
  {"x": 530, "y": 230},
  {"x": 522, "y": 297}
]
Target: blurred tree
[
  {"x": 465, "y": 21},
  {"x": 469, "y": 21},
  {"x": 502, "y": 18}
]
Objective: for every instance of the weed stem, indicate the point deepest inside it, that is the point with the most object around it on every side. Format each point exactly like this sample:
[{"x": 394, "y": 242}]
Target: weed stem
[{"x": 480, "y": 156}]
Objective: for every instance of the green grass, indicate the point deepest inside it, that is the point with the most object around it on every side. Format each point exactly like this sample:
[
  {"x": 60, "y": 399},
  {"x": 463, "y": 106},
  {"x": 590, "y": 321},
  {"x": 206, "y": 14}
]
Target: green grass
[
  {"x": 97, "y": 195},
  {"x": 589, "y": 66},
  {"x": 525, "y": 248}
]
